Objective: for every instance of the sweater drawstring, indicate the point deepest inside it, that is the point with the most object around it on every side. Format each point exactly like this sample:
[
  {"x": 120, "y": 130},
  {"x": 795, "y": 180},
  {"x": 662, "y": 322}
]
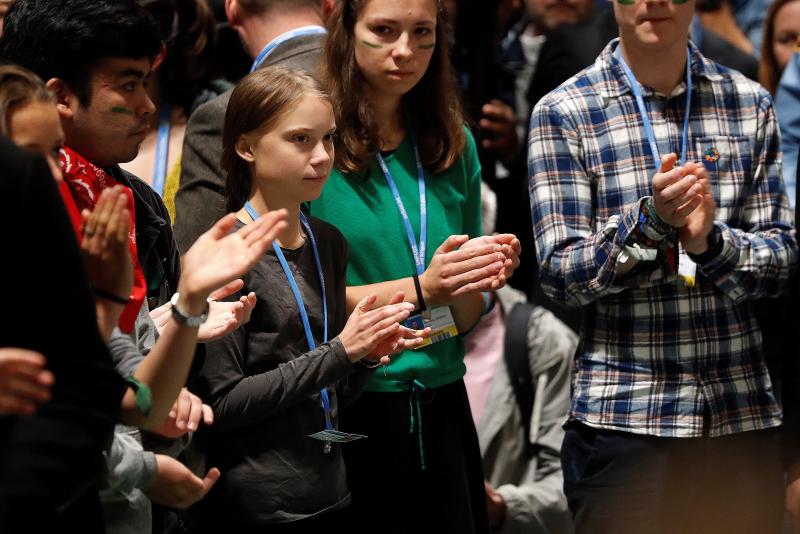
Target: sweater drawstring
[{"x": 415, "y": 411}]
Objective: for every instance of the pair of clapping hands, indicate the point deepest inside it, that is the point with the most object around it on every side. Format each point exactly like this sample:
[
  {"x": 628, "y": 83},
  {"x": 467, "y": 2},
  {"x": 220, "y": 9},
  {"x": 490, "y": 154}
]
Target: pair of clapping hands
[{"x": 683, "y": 199}]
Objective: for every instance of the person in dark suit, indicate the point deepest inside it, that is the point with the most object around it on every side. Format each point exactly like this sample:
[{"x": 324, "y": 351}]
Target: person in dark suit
[
  {"x": 51, "y": 461},
  {"x": 274, "y": 32}
]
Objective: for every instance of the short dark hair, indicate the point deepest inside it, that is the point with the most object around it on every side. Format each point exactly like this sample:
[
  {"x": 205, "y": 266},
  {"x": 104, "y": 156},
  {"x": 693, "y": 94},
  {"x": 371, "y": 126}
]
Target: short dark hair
[{"x": 65, "y": 38}]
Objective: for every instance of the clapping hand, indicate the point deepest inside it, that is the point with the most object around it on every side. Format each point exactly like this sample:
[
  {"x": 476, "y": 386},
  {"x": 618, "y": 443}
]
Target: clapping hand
[
  {"x": 220, "y": 256},
  {"x": 24, "y": 382}
]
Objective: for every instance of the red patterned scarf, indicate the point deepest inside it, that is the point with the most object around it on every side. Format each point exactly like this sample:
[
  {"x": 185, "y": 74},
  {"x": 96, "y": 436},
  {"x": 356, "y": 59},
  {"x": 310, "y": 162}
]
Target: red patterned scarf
[{"x": 86, "y": 182}]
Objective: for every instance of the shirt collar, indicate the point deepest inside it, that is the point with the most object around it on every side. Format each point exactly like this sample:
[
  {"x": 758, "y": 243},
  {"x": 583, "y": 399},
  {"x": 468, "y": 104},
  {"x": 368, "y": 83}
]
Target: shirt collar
[
  {"x": 287, "y": 36},
  {"x": 617, "y": 82}
]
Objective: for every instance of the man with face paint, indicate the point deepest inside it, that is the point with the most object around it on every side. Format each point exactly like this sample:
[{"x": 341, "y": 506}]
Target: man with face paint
[{"x": 657, "y": 204}]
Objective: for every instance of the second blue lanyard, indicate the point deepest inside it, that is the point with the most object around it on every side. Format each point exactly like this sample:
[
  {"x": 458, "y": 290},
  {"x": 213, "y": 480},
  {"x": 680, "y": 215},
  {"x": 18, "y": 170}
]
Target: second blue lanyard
[
  {"x": 418, "y": 249},
  {"x": 648, "y": 126},
  {"x": 326, "y": 405}
]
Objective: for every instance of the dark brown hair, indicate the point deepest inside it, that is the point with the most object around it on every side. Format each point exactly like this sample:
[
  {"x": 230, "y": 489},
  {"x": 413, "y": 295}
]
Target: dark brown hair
[
  {"x": 769, "y": 72},
  {"x": 259, "y": 7},
  {"x": 432, "y": 108},
  {"x": 258, "y": 101},
  {"x": 19, "y": 87}
]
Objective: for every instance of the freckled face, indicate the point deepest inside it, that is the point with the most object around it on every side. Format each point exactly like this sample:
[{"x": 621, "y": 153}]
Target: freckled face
[{"x": 394, "y": 42}]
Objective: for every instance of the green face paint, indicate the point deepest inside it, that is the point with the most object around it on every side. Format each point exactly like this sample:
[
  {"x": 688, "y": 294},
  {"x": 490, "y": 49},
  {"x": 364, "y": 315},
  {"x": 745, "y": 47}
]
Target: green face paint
[
  {"x": 626, "y": 2},
  {"x": 371, "y": 45},
  {"x": 427, "y": 46},
  {"x": 123, "y": 111}
]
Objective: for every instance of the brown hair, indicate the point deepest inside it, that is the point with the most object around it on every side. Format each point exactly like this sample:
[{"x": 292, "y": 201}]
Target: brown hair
[
  {"x": 259, "y": 100},
  {"x": 432, "y": 108},
  {"x": 769, "y": 72},
  {"x": 18, "y": 87}
]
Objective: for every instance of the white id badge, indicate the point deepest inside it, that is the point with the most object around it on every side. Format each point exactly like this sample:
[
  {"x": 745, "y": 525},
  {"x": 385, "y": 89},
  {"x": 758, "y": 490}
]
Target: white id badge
[
  {"x": 336, "y": 436},
  {"x": 687, "y": 269},
  {"x": 441, "y": 322}
]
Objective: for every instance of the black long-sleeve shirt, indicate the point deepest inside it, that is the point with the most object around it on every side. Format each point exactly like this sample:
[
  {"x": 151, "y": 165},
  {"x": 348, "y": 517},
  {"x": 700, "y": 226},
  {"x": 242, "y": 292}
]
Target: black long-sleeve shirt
[
  {"x": 264, "y": 385},
  {"x": 49, "y": 462}
]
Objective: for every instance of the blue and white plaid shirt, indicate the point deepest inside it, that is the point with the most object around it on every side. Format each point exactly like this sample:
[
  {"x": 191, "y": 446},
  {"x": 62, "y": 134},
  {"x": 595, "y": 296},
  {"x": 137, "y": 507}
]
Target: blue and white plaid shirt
[{"x": 658, "y": 357}]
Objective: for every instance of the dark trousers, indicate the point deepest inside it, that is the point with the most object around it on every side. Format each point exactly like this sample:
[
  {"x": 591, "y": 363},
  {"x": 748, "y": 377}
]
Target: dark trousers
[
  {"x": 391, "y": 491},
  {"x": 620, "y": 483}
]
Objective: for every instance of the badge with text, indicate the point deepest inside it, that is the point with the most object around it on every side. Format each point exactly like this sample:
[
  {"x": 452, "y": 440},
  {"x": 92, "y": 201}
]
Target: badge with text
[
  {"x": 335, "y": 436},
  {"x": 441, "y": 322},
  {"x": 687, "y": 269}
]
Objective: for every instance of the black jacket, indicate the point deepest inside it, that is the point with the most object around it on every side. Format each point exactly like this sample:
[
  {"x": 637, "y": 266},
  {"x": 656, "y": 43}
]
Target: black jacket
[{"x": 49, "y": 462}]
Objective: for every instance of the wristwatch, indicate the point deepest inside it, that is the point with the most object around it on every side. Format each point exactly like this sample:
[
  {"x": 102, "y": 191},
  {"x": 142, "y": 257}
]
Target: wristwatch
[{"x": 193, "y": 321}]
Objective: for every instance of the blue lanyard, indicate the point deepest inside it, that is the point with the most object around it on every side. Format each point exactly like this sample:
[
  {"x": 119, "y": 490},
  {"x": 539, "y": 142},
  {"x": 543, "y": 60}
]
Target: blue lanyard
[
  {"x": 267, "y": 50},
  {"x": 648, "y": 127},
  {"x": 418, "y": 250},
  {"x": 162, "y": 150},
  {"x": 326, "y": 405}
]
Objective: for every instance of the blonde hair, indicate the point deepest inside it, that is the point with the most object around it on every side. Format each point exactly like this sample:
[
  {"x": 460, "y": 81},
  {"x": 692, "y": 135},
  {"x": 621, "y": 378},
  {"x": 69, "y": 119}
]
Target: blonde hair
[{"x": 19, "y": 87}]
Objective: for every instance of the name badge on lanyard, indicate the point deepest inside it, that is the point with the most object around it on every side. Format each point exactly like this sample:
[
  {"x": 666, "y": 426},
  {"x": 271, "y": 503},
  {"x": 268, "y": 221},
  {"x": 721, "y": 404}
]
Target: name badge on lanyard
[
  {"x": 329, "y": 434},
  {"x": 687, "y": 269},
  {"x": 440, "y": 320}
]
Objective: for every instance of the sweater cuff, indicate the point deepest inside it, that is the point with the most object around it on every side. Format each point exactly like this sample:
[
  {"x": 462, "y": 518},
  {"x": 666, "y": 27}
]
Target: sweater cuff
[{"x": 149, "y": 469}]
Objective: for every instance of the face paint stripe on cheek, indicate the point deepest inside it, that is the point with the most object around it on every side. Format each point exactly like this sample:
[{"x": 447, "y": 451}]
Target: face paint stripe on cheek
[
  {"x": 626, "y": 2},
  {"x": 427, "y": 46},
  {"x": 371, "y": 45},
  {"x": 122, "y": 111}
]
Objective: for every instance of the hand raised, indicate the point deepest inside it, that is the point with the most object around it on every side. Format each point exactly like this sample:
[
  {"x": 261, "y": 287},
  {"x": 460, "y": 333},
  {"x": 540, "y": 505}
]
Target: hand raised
[
  {"x": 676, "y": 191},
  {"x": 219, "y": 256},
  {"x": 24, "y": 382},
  {"x": 105, "y": 243},
  {"x": 499, "y": 126},
  {"x": 452, "y": 272}
]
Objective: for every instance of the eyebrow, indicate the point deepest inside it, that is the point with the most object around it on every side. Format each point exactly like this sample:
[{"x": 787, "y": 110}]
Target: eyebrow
[
  {"x": 133, "y": 73},
  {"x": 421, "y": 22}
]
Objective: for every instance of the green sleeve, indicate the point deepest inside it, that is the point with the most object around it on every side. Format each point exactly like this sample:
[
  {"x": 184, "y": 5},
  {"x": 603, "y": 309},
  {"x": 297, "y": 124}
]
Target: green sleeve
[{"x": 472, "y": 207}]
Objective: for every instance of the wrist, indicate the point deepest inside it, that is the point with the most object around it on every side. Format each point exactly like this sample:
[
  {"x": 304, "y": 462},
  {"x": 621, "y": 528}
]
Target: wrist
[
  {"x": 192, "y": 302},
  {"x": 427, "y": 294}
]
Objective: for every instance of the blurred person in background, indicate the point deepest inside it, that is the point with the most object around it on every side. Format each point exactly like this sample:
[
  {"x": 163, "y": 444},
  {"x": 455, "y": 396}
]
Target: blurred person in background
[
  {"x": 781, "y": 32},
  {"x": 183, "y": 79}
]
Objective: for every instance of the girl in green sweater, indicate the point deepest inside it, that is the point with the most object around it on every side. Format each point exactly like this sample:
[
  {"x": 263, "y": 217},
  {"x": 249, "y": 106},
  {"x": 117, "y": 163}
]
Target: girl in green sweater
[{"x": 405, "y": 192}]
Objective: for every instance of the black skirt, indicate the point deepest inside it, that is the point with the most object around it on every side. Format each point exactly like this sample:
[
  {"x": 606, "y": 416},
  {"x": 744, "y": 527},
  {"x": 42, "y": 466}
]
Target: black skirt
[{"x": 419, "y": 470}]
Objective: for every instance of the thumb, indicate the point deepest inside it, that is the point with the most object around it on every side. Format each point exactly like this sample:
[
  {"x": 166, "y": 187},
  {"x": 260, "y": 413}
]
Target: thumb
[
  {"x": 222, "y": 227},
  {"x": 452, "y": 243},
  {"x": 365, "y": 304},
  {"x": 227, "y": 290},
  {"x": 668, "y": 162},
  {"x": 211, "y": 478},
  {"x": 397, "y": 298}
]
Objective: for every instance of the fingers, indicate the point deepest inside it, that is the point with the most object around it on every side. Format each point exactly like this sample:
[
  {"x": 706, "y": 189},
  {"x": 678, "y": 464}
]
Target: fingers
[
  {"x": 489, "y": 263},
  {"x": 668, "y": 161},
  {"x": 210, "y": 479},
  {"x": 227, "y": 290},
  {"x": 195, "y": 413},
  {"x": 452, "y": 243},
  {"x": 183, "y": 409},
  {"x": 222, "y": 227},
  {"x": 164, "y": 309},
  {"x": 208, "y": 415},
  {"x": 397, "y": 298},
  {"x": 684, "y": 187},
  {"x": 266, "y": 228},
  {"x": 365, "y": 304}
]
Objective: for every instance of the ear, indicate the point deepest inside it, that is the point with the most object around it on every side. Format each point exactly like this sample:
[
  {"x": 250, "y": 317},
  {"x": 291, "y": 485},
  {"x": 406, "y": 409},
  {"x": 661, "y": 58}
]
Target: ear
[
  {"x": 245, "y": 149},
  {"x": 159, "y": 59},
  {"x": 67, "y": 101},
  {"x": 232, "y": 9},
  {"x": 327, "y": 8}
]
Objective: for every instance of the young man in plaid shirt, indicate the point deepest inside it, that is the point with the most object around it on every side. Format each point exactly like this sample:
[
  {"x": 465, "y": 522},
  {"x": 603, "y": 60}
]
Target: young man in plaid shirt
[{"x": 657, "y": 203}]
